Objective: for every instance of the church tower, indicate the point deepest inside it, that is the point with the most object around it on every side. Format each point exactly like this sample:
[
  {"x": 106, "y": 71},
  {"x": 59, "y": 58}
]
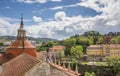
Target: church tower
[
  {"x": 21, "y": 31},
  {"x": 21, "y": 44}
]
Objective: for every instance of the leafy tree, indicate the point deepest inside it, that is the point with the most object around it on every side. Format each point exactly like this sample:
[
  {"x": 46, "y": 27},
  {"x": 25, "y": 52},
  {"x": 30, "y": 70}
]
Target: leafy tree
[
  {"x": 84, "y": 40},
  {"x": 68, "y": 43},
  {"x": 1, "y": 44},
  {"x": 89, "y": 74},
  {"x": 39, "y": 48},
  {"x": 59, "y": 54},
  {"x": 100, "y": 40},
  {"x": 77, "y": 51},
  {"x": 114, "y": 65},
  {"x": 113, "y": 40},
  {"x": 50, "y": 43},
  {"x": 118, "y": 39}
]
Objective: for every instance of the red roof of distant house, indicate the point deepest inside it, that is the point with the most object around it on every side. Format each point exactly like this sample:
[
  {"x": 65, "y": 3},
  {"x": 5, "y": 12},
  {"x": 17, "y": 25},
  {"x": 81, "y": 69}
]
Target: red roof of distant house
[
  {"x": 54, "y": 48},
  {"x": 19, "y": 65}
]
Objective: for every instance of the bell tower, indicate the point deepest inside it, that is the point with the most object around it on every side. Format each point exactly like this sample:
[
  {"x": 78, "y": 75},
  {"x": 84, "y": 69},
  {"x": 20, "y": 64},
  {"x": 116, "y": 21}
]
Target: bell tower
[
  {"x": 21, "y": 32},
  {"x": 21, "y": 44}
]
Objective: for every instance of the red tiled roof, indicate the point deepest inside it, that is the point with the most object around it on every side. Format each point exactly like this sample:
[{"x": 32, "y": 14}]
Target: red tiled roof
[
  {"x": 19, "y": 65},
  {"x": 57, "y": 48},
  {"x": 16, "y": 48},
  {"x": 19, "y": 44}
]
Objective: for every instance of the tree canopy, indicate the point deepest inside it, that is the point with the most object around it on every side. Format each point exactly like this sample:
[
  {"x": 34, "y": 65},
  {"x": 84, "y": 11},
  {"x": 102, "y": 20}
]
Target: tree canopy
[
  {"x": 114, "y": 64},
  {"x": 77, "y": 51}
]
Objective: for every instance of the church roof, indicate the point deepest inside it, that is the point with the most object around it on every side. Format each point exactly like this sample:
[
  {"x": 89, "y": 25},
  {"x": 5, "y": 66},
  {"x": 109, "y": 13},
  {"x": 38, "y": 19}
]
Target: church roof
[
  {"x": 19, "y": 65},
  {"x": 19, "y": 44}
]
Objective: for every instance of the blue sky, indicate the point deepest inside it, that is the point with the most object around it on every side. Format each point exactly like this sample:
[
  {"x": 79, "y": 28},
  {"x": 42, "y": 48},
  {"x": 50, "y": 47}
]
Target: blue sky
[
  {"x": 13, "y": 9},
  {"x": 59, "y": 19}
]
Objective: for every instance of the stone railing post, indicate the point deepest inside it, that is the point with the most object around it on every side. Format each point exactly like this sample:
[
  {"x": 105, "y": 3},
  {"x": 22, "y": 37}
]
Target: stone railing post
[
  {"x": 59, "y": 63},
  {"x": 76, "y": 69},
  {"x": 69, "y": 68},
  {"x": 64, "y": 64}
]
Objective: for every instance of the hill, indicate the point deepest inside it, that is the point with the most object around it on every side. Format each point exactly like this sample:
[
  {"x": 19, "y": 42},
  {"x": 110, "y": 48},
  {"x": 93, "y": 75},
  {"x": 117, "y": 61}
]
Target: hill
[{"x": 9, "y": 38}]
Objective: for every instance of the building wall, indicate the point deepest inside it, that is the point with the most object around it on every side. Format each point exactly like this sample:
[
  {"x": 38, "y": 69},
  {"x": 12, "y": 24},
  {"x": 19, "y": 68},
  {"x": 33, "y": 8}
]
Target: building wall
[
  {"x": 2, "y": 58},
  {"x": 95, "y": 52},
  {"x": 98, "y": 52}
]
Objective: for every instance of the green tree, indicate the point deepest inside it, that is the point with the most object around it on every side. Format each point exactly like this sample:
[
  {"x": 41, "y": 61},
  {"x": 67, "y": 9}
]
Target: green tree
[
  {"x": 84, "y": 41},
  {"x": 118, "y": 39},
  {"x": 1, "y": 44},
  {"x": 68, "y": 43},
  {"x": 100, "y": 40},
  {"x": 114, "y": 65},
  {"x": 89, "y": 74},
  {"x": 59, "y": 54},
  {"x": 113, "y": 40},
  {"x": 39, "y": 48},
  {"x": 77, "y": 51}
]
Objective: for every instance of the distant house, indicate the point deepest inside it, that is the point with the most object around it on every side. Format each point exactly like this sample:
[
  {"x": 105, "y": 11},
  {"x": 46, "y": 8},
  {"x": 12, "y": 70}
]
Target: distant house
[
  {"x": 94, "y": 52},
  {"x": 56, "y": 49},
  {"x": 112, "y": 50},
  {"x": 7, "y": 43},
  {"x": 99, "y": 52}
]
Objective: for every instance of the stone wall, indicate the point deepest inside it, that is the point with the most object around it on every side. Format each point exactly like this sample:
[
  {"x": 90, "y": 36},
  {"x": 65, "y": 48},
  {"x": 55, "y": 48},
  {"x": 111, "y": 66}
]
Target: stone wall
[{"x": 45, "y": 69}]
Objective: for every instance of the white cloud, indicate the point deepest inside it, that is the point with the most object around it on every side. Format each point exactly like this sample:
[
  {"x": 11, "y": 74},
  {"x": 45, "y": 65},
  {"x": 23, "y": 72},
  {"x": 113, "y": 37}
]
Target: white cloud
[
  {"x": 57, "y": 7},
  {"x": 64, "y": 26},
  {"x": 56, "y": 0},
  {"x": 60, "y": 16},
  {"x": 36, "y": 1},
  {"x": 37, "y": 19},
  {"x": 26, "y": 1},
  {"x": 67, "y": 6},
  {"x": 41, "y": 1},
  {"x": 68, "y": 30},
  {"x": 109, "y": 9},
  {"x": 6, "y": 28}
]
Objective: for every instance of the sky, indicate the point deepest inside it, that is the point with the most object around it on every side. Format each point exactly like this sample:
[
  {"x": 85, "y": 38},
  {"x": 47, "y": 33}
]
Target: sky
[{"x": 59, "y": 19}]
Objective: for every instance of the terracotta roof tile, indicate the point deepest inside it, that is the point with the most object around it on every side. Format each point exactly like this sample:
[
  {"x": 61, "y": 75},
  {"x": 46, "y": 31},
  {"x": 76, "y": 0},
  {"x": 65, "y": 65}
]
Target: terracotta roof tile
[
  {"x": 57, "y": 48},
  {"x": 18, "y": 44},
  {"x": 19, "y": 65}
]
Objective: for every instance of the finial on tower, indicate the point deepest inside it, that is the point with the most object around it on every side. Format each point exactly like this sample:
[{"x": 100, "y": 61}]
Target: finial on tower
[{"x": 21, "y": 23}]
